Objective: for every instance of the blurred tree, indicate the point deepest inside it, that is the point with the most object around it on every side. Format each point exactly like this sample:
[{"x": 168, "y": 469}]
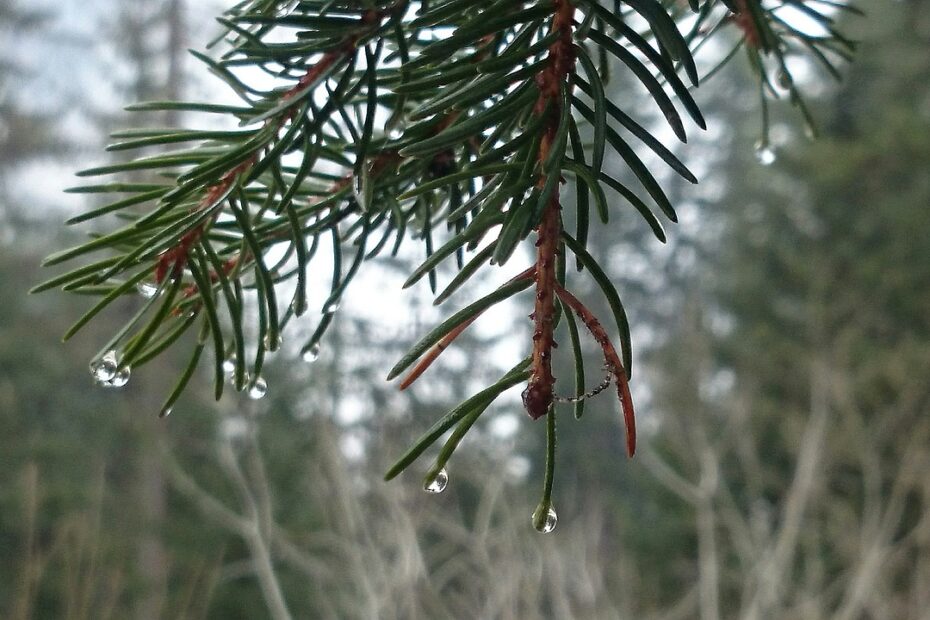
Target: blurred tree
[
  {"x": 794, "y": 422},
  {"x": 24, "y": 133}
]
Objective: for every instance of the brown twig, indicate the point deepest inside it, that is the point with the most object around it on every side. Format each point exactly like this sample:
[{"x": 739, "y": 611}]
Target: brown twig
[
  {"x": 172, "y": 261},
  {"x": 437, "y": 349},
  {"x": 538, "y": 395},
  {"x": 744, "y": 21},
  {"x": 435, "y": 352},
  {"x": 613, "y": 362}
]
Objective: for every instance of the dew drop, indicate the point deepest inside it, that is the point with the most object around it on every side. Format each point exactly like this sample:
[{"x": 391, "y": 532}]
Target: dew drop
[
  {"x": 312, "y": 354},
  {"x": 439, "y": 482},
  {"x": 165, "y": 412},
  {"x": 272, "y": 342},
  {"x": 298, "y": 307},
  {"x": 548, "y": 524},
  {"x": 765, "y": 153},
  {"x": 120, "y": 379},
  {"x": 784, "y": 79},
  {"x": 259, "y": 389},
  {"x": 104, "y": 368},
  {"x": 229, "y": 369},
  {"x": 147, "y": 289},
  {"x": 396, "y": 125},
  {"x": 331, "y": 307},
  {"x": 810, "y": 131}
]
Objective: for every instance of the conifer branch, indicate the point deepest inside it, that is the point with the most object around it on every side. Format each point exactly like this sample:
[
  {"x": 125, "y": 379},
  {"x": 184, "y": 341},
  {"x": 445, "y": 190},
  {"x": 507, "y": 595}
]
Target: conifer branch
[{"x": 451, "y": 126}]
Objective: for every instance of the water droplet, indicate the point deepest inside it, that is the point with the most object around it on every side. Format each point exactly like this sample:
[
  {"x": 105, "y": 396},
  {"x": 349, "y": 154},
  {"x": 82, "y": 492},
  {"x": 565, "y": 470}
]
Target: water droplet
[
  {"x": 439, "y": 482},
  {"x": 229, "y": 364},
  {"x": 396, "y": 125},
  {"x": 810, "y": 131},
  {"x": 147, "y": 289},
  {"x": 765, "y": 153},
  {"x": 299, "y": 306},
  {"x": 104, "y": 368},
  {"x": 784, "y": 79},
  {"x": 548, "y": 524},
  {"x": 272, "y": 342},
  {"x": 331, "y": 307},
  {"x": 165, "y": 412},
  {"x": 120, "y": 379},
  {"x": 259, "y": 389},
  {"x": 312, "y": 354}
]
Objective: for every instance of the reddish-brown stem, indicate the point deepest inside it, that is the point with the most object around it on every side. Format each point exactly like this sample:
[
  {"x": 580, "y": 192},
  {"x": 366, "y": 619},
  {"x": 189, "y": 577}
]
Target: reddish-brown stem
[
  {"x": 538, "y": 395},
  {"x": 745, "y": 23},
  {"x": 437, "y": 349},
  {"x": 427, "y": 360},
  {"x": 612, "y": 359},
  {"x": 172, "y": 262},
  {"x": 613, "y": 362},
  {"x": 330, "y": 58}
]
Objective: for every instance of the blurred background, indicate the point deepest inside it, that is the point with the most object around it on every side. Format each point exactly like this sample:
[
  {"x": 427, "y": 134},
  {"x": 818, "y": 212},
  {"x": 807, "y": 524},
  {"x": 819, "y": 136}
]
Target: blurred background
[{"x": 783, "y": 358}]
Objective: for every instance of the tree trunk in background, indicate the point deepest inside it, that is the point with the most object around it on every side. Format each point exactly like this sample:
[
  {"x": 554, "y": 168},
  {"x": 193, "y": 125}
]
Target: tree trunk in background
[
  {"x": 177, "y": 43},
  {"x": 152, "y": 561}
]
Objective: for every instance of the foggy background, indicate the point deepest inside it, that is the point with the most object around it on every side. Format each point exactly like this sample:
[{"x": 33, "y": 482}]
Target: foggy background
[{"x": 782, "y": 341}]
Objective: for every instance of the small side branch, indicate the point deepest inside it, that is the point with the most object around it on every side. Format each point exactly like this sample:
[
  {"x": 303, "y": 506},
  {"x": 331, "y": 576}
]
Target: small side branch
[
  {"x": 448, "y": 339},
  {"x": 613, "y": 362}
]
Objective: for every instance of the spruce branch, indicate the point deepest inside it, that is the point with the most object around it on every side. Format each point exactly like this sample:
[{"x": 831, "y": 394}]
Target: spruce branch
[{"x": 455, "y": 126}]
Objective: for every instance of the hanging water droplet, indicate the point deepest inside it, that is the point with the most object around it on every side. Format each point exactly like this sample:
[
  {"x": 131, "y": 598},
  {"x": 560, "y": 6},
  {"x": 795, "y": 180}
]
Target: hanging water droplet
[
  {"x": 147, "y": 289},
  {"x": 165, "y": 412},
  {"x": 312, "y": 354},
  {"x": 229, "y": 369},
  {"x": 396, "y": 124},
  {"x": 765, "y": 153},
  {"x": 331, "y": 307},
  {"x": 104, "y": 368},
  {"x": 784, "y": 79},
  {"x": 438, "y": 483},
  {"x": 548, "y": 524},
  {"x": 299, "y": 306},
  {"x": 810, "y": 131},
  {"x": 272, "y": 342},
  {"x": 120, "y": 379},
  {"x": 259, "y": 389}
]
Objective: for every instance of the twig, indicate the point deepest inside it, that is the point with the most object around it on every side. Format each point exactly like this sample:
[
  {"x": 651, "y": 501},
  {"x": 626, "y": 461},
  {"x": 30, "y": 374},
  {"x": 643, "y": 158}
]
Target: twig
[
  {"x": 538, "y": 395},
  {"x": 613, "y": 361},
  {"x": 443, "y": 344}
]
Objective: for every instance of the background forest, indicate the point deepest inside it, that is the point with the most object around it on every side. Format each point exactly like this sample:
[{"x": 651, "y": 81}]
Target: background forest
[{"x": 782, "y": 387}]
